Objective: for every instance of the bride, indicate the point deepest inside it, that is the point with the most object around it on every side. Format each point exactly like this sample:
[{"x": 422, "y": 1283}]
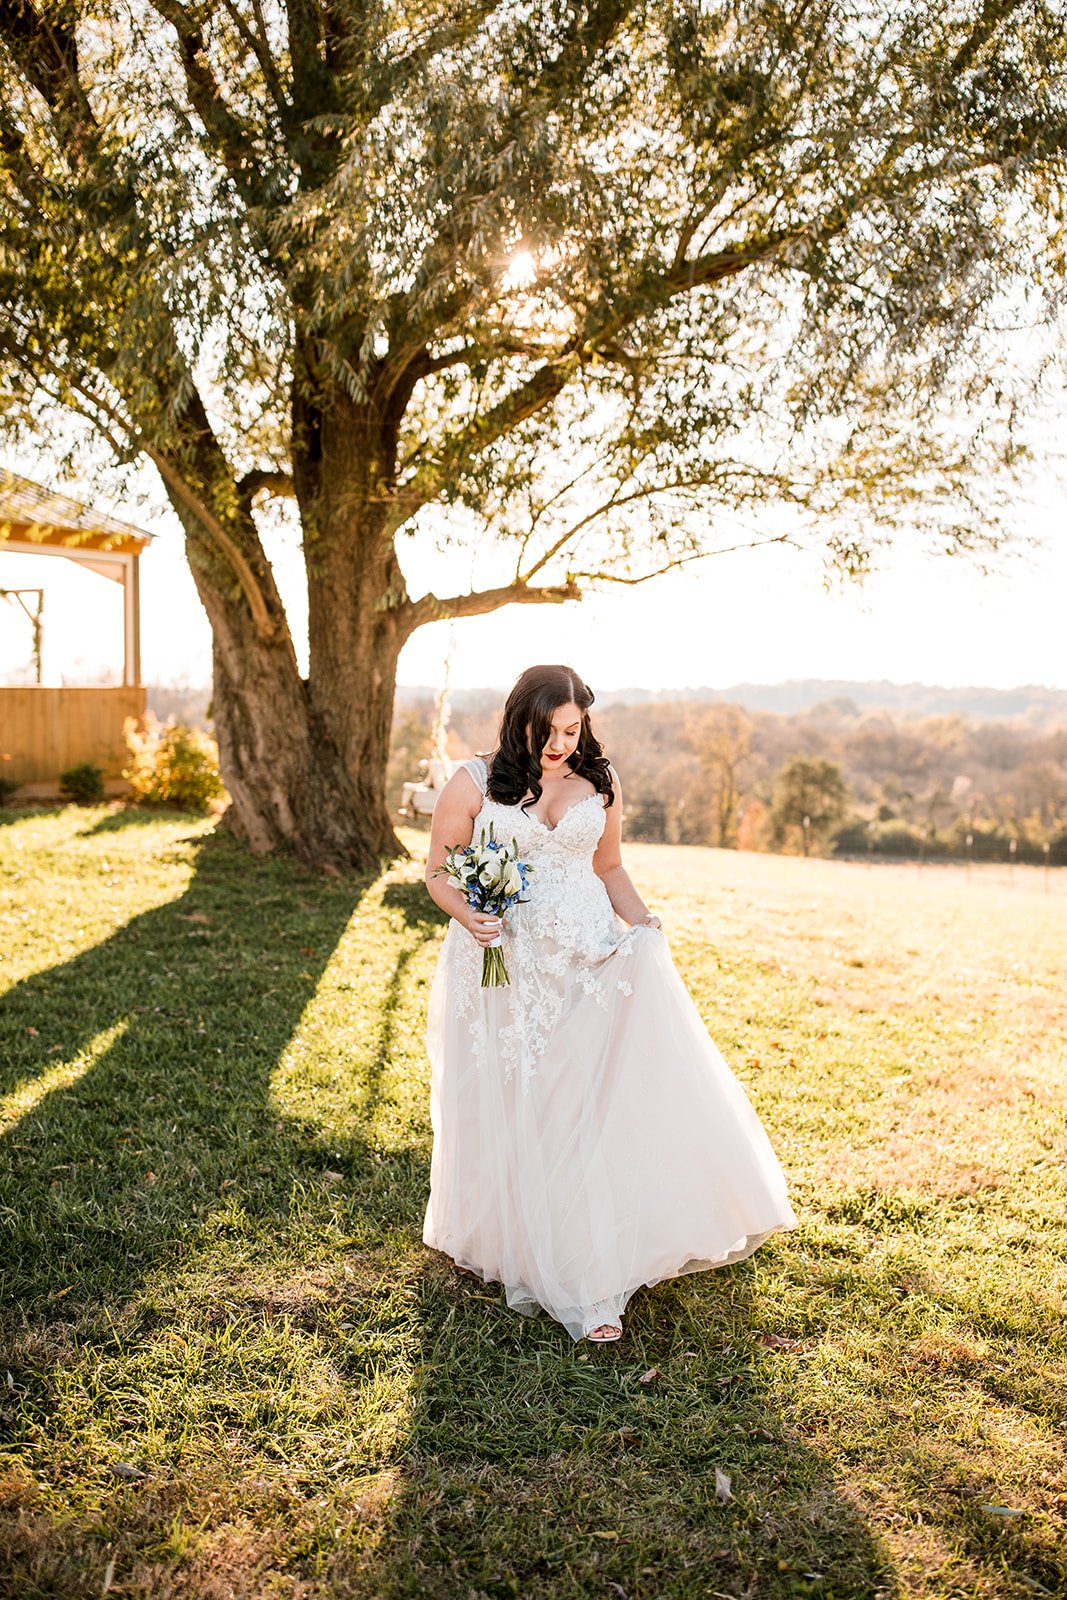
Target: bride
[{"x": 588, "y": 1137}]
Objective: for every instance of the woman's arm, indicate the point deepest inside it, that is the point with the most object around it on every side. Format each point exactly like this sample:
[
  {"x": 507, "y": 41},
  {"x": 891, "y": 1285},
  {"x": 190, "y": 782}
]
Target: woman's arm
[
  {"x": 607, "y": 864},
  {"x": 453, "y": 824}
]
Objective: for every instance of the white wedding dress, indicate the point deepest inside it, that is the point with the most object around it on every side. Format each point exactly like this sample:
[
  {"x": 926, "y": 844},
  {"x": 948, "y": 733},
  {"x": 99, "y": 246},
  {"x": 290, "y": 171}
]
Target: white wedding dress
[{"x": 588, "y": 1137}]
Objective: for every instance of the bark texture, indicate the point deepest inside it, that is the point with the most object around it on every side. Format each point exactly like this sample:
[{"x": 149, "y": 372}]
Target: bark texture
[{"x": 304, "y": 759}]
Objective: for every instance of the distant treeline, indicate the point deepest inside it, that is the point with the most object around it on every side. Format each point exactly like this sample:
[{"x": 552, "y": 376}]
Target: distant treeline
[
  {"x": 870, "y": 779},
  {"x": 867, "y": 780}
]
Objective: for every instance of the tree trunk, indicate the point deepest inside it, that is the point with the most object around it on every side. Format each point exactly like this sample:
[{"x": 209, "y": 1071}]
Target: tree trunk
[
  {"x": 304, "y": 761},
  {"x": 294, "y": 783},
  {"x": 288, "y": 782},
  {"x": 357, "y": 608}
]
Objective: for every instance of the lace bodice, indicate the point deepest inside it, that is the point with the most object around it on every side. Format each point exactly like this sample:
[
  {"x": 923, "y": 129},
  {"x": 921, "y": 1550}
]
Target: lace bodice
[
  {"x": 557, "y": 937},
  {"x": 576, "y": 833}
]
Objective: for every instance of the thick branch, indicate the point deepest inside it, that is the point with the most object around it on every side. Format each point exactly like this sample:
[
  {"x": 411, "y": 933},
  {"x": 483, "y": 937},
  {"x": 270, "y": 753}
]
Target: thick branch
[
  {"x": 994, "y": 12},
  {"x": 46, "y": 49},
  {"x": 310, "y": 79},
  {"x": 194, "y": 503},
  {"x": 430, "y": 609},
  {"x": 314, "y": 89},
  {"x": 259, "y": 45},
  {"x": 278, "y": 483},
  {"x": 128, "y": 437}
]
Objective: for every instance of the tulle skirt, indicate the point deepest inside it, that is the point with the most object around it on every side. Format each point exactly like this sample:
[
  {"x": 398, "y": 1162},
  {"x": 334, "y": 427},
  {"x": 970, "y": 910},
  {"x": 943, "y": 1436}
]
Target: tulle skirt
[{"x": 632, "y": 1154}]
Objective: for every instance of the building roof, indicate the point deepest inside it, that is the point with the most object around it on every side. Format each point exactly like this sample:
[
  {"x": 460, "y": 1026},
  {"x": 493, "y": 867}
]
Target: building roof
[{"x": 31, "y": 513}]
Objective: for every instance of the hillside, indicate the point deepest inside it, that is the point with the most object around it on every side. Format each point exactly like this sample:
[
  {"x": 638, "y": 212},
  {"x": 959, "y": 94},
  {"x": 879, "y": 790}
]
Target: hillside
[{"x": 1036, "y": 704}]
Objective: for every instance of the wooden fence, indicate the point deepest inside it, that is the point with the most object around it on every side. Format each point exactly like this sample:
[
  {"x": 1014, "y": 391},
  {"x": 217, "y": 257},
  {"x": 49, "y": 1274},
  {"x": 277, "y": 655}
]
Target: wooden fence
[{"x": 44, "y": 731}]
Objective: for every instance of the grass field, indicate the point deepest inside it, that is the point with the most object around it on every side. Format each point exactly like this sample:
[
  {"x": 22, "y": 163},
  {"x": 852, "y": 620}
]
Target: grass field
[{"x": 232, "y": 1371}]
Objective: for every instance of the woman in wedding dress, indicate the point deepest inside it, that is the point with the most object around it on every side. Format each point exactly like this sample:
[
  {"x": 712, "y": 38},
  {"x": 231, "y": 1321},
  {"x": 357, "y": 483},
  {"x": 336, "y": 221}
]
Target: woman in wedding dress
[{"x": 588, "y": 1137}]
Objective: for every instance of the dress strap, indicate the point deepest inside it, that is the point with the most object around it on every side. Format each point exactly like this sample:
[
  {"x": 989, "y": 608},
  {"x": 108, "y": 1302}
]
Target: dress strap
[{"x": 478, "y": 771}]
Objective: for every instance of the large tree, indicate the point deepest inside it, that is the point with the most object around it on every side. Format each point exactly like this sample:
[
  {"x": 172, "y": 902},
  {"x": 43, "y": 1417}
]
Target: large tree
[{"x": 603, "y": 278}]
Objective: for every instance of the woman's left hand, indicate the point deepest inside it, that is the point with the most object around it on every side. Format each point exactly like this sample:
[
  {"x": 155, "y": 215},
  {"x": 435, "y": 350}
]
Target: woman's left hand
[{"x": 652, "y": 921}]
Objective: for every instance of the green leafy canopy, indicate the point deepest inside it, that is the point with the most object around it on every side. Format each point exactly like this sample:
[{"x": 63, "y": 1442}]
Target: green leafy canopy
[{"x": 609, "y": 278}]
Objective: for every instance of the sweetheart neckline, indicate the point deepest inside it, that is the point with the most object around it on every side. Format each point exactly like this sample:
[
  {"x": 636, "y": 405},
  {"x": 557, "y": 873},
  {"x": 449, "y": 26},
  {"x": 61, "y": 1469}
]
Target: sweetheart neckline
[{"x": 533, "y": 814}]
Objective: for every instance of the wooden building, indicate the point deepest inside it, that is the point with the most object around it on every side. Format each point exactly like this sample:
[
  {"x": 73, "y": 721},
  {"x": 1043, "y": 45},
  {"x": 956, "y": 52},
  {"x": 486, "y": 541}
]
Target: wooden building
[{"x": 44, "y": 730}]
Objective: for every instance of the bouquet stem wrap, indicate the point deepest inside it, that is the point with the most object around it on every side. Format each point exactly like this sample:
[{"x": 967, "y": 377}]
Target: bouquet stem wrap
[{"x": 491, "y": 878}]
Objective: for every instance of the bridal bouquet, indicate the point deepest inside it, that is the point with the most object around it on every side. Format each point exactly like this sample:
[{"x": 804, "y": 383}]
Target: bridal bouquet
[{"x": 491, "y": 878}]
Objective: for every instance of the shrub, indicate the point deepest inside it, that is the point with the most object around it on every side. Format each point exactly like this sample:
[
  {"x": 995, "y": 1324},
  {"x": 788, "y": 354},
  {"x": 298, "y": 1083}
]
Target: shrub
[
  {"x": 7, "y": 789},
  {"x": 887, "y": 837},
  {"x": 82, "y": 784},
  {"x": 171, "y": 764}
]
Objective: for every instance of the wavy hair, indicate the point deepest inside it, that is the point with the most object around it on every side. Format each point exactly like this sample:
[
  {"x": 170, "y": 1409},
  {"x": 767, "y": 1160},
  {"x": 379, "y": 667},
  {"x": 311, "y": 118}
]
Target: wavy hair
[{"x": 515, "y": 764}]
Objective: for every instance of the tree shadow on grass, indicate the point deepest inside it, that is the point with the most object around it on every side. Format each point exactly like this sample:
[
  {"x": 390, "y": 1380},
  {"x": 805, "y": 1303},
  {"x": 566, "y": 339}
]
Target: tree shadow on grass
[
  {"x": 420, "y": 912},
  {"x": 147, "y": 1174},
  {"x": 117, "y": 817},
  {"x": 17, "y": 812},
  {"x": 535, "y": 1467},
  {"x": 127, "y": 815},
  {"x": 144, "y": 1064}
]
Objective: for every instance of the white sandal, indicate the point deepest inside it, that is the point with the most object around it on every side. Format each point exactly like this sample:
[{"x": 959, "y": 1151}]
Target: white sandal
[{"x": 595, "y": 1321}]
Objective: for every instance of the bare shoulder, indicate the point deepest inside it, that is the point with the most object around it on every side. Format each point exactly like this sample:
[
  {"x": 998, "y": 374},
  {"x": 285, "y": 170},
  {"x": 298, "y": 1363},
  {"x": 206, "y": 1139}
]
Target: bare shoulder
[
  {"x": 613, "y": 805},
  {"x": 460, "y": 798},
  {"x": 462, "y": 786},
  {"x": 452, "y": 823}
]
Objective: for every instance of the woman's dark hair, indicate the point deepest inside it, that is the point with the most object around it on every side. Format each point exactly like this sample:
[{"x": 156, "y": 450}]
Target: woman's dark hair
[{"x": 515, "y": 765}]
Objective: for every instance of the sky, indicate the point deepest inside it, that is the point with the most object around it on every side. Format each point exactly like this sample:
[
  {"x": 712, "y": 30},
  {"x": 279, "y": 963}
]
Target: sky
[{"x": 758, "y": 616}]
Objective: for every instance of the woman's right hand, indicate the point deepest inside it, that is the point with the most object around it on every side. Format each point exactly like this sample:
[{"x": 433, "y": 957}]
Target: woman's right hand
[{"x": 483, "y": 927}]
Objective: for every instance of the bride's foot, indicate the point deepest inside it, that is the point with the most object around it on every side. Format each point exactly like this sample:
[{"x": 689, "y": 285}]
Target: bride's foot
[
  {"x": 602, "y": 1332},
  {"x": 605, "y": 1333}
]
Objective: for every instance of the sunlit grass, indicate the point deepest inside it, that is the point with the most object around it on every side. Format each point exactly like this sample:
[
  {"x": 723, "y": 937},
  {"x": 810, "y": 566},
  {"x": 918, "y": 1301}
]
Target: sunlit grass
[{"x": 235, "y": 1370}]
